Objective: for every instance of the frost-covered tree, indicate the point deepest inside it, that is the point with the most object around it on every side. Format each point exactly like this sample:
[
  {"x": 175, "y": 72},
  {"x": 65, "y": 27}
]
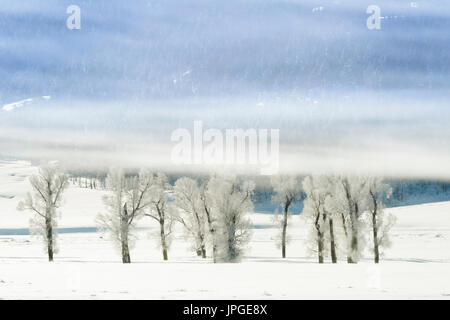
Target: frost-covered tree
[
  {"x": 230, "y": 203},
  {"x": 380, "y": 222},
  {"x": 335, "y": 213},
  {"x": 349, "y": 201},
  {"x": 287, "y": 191},
  {"x": 206, "y": 201},
  {"x": 314, "y": 211},
  {"x": 48, "y": 188},
  {"x": 332, "y": 216},
  {"x": 162, "y": 210},
  {"x": 126, "y": 204},
  {"x": 192, "y": 212}
]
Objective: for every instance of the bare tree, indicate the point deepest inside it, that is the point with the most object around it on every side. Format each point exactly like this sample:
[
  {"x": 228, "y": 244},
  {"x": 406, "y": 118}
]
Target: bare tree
[
  {"x": 126, "y": 204},
  {"x": 48, "y": 188},
  {"x": 161, "y": 210},
  {"x": 193, "y": 216},
  {"x": 332, "y": 215},
  {"x": 206, "y": 203},
  {"x": 230, "y": 203},
  {"x": 349, "y": 201},
  {"x": 314, "y": 211},
  {"x": 287, "y": 190},
  {"x": 381, "y": 223}
]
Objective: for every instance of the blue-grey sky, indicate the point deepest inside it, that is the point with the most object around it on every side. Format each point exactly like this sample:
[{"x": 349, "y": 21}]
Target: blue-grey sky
[
  {"x": 144, "y": 68},
  {"x": 138, "y": 48}
]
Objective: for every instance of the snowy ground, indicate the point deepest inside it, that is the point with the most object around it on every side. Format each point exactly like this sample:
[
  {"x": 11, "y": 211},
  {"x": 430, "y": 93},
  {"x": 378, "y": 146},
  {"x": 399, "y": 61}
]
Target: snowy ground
[{"x": 88, "y": 267}]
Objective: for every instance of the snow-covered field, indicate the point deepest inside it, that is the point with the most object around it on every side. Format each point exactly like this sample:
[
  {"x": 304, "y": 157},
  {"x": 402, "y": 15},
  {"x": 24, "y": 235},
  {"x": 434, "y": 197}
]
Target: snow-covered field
[{"x": 88, "y": 267}]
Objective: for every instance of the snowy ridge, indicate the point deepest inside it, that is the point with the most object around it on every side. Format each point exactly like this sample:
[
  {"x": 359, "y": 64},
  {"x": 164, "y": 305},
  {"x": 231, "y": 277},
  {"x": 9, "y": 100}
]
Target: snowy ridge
[{"x": 19, "y": 104}]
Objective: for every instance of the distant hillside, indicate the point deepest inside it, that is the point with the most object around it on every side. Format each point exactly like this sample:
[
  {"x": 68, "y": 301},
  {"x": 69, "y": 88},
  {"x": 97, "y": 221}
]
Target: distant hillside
[{"x": 404, "y": 193}]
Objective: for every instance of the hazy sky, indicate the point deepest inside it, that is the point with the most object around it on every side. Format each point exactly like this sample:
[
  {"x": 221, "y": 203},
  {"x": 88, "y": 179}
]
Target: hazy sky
[{"x": 342, "y": 96}]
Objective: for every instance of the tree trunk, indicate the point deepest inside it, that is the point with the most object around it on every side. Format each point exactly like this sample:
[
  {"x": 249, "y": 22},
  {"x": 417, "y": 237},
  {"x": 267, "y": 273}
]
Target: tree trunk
[
  {"x": 163, "y": 241},
  {"x": 375, "y": 239},
  {"x": 203, "y": 251},
  {"x": 375, "y": 228},
  {"x": 124, "y": 235},
  {"x": 214, "y": 248},
  {"x": 319, "y": 238},
  {"x": 353, "y": 213},
  {"x": 49, "y": 229},
  {"x": 354, "y": 241},
  {"x": 213, "y": 234},
  {"x": 283, "y": 238},
  {"x": 353, "y": 247},
  {"x": 332, "y": 243},
  {"x": 232, "y": 252},
  {"x": 349, "y": 259},
  {"x": 212, "y": 230},
  {"x": 283, "y": 233},
  {"x": 320, "y": 247},
  {"x": 125, "y": 252}
]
